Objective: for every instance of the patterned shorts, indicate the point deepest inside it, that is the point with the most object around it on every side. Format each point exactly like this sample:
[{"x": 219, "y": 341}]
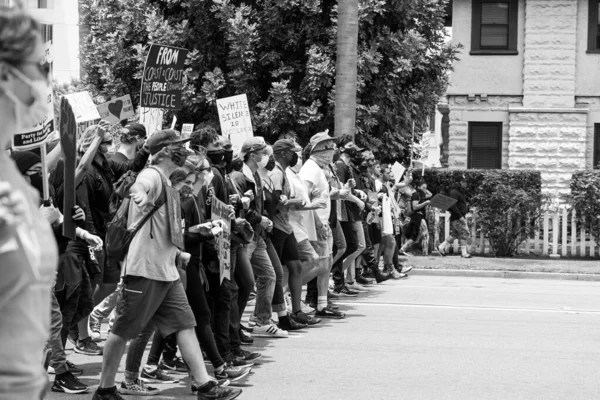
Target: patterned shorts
[{"x": 459, "y": 229}]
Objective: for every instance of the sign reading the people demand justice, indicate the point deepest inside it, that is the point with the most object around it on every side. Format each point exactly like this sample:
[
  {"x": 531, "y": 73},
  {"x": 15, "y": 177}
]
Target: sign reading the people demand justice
[
  {"x": 234, "y": 115},
  {"x": 220, "y": 211},
  {"x": 117, "y": 109},
  {"x": 162, "y": 82}
]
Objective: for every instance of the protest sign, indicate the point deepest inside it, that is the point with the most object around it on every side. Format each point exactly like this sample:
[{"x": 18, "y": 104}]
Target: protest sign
[
  {"x": 220, "y": 211},
  {"x": 162, "y": 82},
  {"x": 117, "y": 109},
  {"x": 398, "y": 170},
  {"x": 75, "y": 108},
  {"x": 186, "y": 132},
  {"x": 152, "y": 119},
  {"x": 442, "y": 202},
  {"x": 234, "y": 116}
]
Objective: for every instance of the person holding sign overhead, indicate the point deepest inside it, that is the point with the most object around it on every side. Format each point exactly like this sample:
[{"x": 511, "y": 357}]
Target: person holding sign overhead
[{"x": 28, "y": 251}]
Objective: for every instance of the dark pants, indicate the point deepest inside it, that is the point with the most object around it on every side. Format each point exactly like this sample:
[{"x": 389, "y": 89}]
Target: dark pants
[
  {"x": 234, "y": 313},
  {"x": 278, "y": 303},
  {"x": 368, "y": 254},
  {"x": 351, "y": 247},
  {"x": 219, "y": 300}
]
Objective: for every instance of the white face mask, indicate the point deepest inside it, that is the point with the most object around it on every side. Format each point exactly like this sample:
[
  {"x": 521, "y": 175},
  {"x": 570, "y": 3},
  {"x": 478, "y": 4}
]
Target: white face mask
[
  {"x": 28, "y": 116},
  {"x": 264, "y": 160}
]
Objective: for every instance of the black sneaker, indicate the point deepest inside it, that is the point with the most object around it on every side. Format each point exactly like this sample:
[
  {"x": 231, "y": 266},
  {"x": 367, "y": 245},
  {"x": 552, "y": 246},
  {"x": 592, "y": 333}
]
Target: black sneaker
[
  {"x": 88, "y": 347},
  {"x": 245, "y": 338},
  {"x": 156, "y": 375},
  {"x": 246, "y": 355},
  {"x": 237, "y": 361},
  {"x": 217, "y": 392},
  {"x": 345, "y": 292},
  {"x": 174, "y": 365},
  {"x": 332, "y": 296},
  {"x": 329, "y": 313},
  {"x": 67, "y": 383},
  {"x": 74, "y": 369},
  {"x": 361, "y": 280},
  {"x": 288, "y": 324},
  {"x": 218, "y": 382},
  {"x": 112, "y": 394},
  {"x": 232, "y": 374},
  {"x": 246, "y": 328}
]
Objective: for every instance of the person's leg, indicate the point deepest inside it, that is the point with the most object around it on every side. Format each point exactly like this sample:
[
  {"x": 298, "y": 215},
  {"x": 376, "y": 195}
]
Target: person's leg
[
  {"x": 340, "y": 265},
  {"x": 158, "y": 345},
  {"x": 58, "y": 359},
  {"x": 102, "y": 311},
  {"x": 339, "y": 242},
  {"x": 358, "y": 230},
  {"x": 278, "y": 303},
  {"x": 136, "y": 352},
  {"x": 220, "y": 304},
  {"x": 265, "y": 281},
  {"x": 244, "y": 278}
]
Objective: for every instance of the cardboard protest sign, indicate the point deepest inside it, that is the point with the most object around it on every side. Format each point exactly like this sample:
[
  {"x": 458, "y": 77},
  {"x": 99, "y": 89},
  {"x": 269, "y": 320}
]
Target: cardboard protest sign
[
  {"x": 174, "y": 212},
  {"x": 186, "y": 132},
  {"x": 162, "y": 82},
  {"x": 152, "y": 119},
  {"x": 220, "y": 211},
  {"x": 234, "y": 116},
  {"x": 117, "y": 109},
  {"x": 74, "y": 109},
  {"x": 442, "y": 202},
  {"x": 398, "y": 170}
]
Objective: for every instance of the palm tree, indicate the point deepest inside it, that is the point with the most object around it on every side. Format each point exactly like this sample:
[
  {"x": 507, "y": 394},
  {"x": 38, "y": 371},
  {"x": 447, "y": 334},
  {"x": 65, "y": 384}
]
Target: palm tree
[{"x": 346, "y": 67}]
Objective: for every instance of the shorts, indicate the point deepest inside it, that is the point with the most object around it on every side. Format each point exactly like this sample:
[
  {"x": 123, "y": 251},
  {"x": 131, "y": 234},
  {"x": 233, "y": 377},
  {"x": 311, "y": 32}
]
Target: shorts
[
  {"x": 376, "y": 235},
  {"x": 111, "y": 271},
  {"x": 144, "y": 300},
  {"x": 306, "y": 252},
  {"x": 285, "y": 245},
  {"x": 459, "y": 229},
  {"x": 324, "y": 248}
]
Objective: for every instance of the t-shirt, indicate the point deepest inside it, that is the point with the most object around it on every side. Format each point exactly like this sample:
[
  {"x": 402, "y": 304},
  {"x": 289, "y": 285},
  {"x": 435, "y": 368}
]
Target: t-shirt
[
  {"x": 120, "y": 157},
  {"x": 311, "y": 172},
  {"x": 420, "y": 197},
  {"x": 352, "y": 211},
  {"x": 302, "y": 222},
  {"x": 281, "y": 219},
  {"x": 151, "y": 253}
]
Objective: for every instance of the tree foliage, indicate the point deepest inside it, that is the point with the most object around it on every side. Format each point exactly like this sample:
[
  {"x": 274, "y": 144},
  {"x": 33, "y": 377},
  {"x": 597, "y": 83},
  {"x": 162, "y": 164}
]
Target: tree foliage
[
  {"x": 282, "y": 55},
  {"x": 585, "y": 192}
]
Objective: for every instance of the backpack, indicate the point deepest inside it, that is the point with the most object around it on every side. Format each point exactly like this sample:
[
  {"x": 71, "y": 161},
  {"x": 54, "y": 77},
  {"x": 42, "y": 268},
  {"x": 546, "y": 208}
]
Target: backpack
[
  {"x": 118, "y": 236},
  {"x": 121, "y": 191}
]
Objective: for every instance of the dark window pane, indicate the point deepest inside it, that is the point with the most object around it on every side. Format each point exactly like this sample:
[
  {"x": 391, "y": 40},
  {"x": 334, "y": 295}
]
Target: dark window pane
[
  {"x": 596, "y": 145},
  {"x": 494, "y": 13},
  {"x": 485, "y": 150},
  {"x": 494, "y": 36}
]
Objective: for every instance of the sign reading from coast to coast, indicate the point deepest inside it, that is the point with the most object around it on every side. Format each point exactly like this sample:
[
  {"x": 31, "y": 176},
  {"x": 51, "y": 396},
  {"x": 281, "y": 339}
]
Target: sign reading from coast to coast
[
  {"x": 75, "y": 109},
  {"x": 117, "y": 109},
  {"x": 162, "y": 82},
  {"x": 220, "y": 211},
  {"x": 234, "y": 116}
]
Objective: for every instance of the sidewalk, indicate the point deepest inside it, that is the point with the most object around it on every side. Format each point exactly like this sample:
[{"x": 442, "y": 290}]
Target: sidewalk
[{"x": 522, "y": 267}]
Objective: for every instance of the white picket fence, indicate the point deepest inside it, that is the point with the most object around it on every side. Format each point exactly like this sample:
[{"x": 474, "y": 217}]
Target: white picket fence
[{"x": 553, "y": 239}]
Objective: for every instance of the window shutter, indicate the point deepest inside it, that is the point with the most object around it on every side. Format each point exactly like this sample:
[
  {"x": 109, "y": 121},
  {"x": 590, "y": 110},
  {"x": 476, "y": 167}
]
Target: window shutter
[{"x": 485, "y": 145}]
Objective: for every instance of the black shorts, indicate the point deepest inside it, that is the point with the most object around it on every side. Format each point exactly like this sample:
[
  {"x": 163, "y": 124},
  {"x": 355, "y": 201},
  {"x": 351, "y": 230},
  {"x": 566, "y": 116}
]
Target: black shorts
[
  {"x": 375, "y": 230},
  {"x": 111, "y": 271},
  {"x": 285, "y": 245}
]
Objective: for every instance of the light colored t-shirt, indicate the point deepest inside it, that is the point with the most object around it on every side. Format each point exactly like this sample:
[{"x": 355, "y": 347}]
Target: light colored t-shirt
[
  {"x": 311, "y": 172},
  {"x": 302, "y": 222},
  {"x": 151, "y": 253}
]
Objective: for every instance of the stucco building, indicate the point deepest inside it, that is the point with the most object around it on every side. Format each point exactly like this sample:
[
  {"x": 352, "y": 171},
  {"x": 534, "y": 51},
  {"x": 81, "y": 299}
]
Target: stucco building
[{"x": 525, "y": 93}]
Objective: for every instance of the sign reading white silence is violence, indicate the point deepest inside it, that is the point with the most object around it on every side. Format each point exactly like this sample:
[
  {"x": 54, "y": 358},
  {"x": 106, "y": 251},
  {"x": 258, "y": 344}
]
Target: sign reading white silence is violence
[
  {"x": 234, "y": 116},
  {"x": 162, "y": 82}
]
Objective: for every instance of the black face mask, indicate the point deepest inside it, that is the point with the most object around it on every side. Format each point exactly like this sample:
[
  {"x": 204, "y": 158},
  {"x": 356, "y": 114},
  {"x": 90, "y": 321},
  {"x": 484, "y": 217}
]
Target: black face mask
[
  {"x": 236, "y": 165},
  {"x": 215, "y": 156},
  {"x": 351, "y": 152},
  {"x": 294, "y": 160},
  {"x": 270, "y": 165},
  {"x": 178, "y": 157},
  {"x": 38, "y": 183},
  {"x": 228, "y": 156}
]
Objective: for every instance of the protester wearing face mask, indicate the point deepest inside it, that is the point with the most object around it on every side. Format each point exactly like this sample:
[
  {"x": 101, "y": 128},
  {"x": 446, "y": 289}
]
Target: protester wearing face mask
[
  {"x": 132, "y": 140},
  {"x": 28, "y": 250}
]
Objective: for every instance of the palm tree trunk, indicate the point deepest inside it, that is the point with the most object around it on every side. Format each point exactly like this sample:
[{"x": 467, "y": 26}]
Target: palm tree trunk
[{"x": 346, "y": 67}]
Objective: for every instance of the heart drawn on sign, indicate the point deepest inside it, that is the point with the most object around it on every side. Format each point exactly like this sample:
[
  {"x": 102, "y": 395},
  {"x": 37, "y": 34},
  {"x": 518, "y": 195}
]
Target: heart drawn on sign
[{"x": 115, "y": 108}]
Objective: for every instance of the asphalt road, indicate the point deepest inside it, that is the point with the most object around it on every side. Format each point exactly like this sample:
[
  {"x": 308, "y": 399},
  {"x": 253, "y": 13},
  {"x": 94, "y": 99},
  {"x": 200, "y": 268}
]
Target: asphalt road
[{"x": 430, "y": 337}]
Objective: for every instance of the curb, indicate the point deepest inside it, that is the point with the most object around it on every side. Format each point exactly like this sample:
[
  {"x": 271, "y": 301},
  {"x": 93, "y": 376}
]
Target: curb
[{"x": 507, "y": 274}]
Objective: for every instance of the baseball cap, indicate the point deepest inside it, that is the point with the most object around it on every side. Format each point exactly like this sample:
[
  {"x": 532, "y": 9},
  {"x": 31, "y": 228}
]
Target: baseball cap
[
  {"x": 135, "y": 129},
  {"x": 164, "y": 138},
  {"x": 320, "y": 138},
  {"x": 286, "y": 144},
  {"x": 252, "y": 145}
]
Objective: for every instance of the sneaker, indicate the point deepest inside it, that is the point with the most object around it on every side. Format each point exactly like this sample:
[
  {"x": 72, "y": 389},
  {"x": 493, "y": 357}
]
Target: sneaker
[
  {"x": 306, "y": 309},
  {"x": 288, "y": 302},
  {"x": 299, "y": 317},
  {"x": 153, "y": 374},
  {"x": 246, "y": 355},
  {"x": 233, "y": 374},
  {"x": 67, "y": 383},
  {"x": 362, "y": 280},
  {"x": 329, "y": 313},
  {"x": 405, "y": 253},
  {"x": 252, "y": 321},
  {"x": 332, "y": 296},
  {"x": 269, "y": 331},
  {"x": 138, "y": 388},
  {"x": 95, "y": 330},
  {"x": 174, "y": 365},
  {"x": 442, "y": 249},
  {"x": 251, "y": 303},
  {"x": 218, "y": 382},
  {"x": 246, "y": 328},
  {"x": 345, "y": 292},
  {"x": 219, "y": 392},
  {"x": 88, "y": 347},
  {"x": 236, "y": 361},
  {"x": 245, "y": 338},
  {"x": 73, "y": 337},
  {"x": 113, "y": 394},
  {"x": 357, "y": 288},
  {"x": 407, "y": 269},
  {"x": 74, "y": 369},
  {"x": 289, "y": 324},
  {"x": 396, "y": 275}
]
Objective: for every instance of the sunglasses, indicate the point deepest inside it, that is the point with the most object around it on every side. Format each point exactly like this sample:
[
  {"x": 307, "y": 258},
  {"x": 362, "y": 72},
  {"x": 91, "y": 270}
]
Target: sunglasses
[{"x": 43, "y": 66}]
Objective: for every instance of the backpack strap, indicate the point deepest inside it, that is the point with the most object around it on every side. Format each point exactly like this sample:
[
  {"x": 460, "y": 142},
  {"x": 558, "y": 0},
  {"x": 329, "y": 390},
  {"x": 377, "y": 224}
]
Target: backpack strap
[{"x": 159, "y": 203}]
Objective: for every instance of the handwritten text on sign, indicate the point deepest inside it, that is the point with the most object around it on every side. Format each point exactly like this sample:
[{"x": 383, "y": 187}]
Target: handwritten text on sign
[
  {"x": 220, "y": 211},
  {"x": 234, "y": 116},
  {"x": 117, "y": 109},
  {"x": 162, "y": 82}
]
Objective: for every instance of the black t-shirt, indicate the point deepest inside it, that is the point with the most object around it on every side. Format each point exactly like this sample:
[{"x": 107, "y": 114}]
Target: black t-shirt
[{"x": 420, "y": 197}]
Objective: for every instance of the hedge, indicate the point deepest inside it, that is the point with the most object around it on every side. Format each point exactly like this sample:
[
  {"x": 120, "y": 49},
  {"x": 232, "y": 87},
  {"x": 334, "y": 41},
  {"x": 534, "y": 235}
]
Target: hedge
[
  {"x": 585, "y": 199},
  {"x": 442, "y": 180}
]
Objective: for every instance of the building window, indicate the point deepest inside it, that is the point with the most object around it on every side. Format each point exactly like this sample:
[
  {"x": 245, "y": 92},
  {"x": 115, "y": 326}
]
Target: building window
[
  {"x": 5, "y": 3},
  {"x": 596, "y": 146},
  {"x": 40, "y": 3},
  {"x": 46, "y": 33},
  {"x": 594, "y": 26},
  {"x": 485, "y": 145},
  {"x": 494, "y": 27}
]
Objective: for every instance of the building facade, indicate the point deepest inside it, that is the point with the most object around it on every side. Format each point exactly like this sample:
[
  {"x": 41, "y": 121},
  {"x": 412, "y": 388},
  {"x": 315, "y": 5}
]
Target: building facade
[{"x": 525, "y": 93}]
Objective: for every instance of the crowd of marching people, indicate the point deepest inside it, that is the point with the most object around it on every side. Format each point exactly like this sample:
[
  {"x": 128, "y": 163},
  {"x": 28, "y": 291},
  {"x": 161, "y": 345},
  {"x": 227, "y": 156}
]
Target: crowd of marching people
[{"x": 327, "y": 220}]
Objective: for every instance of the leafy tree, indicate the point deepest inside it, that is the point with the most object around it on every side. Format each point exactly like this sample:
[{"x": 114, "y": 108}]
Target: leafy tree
[{"x": 282, "y": 54}]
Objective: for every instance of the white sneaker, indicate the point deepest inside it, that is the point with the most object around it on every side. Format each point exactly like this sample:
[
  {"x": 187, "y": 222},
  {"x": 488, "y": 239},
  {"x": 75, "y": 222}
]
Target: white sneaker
[
  {"x": 288, "y": 302},
  {"x": 306, "y": 309},
  {"x": 269, "y": 331},
  {"x": 357, "y": 288},
  {"x": 94, "y": 330},
  {"x": 252, "y": 321},
  {"x": 442, "y": 249}
]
